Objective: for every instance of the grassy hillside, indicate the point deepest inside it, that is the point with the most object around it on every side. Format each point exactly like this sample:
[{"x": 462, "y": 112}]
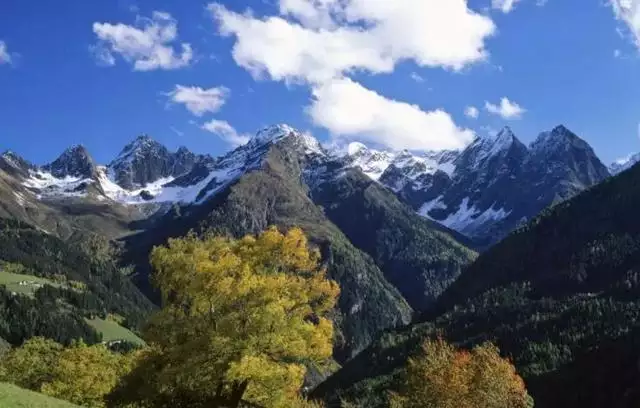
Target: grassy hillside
[
  {"x": 553, "y": 295},
  {"x": 23, "y": 284},
  {"x": 112, "y": 331},
  {"x": 15, "y": 397}
]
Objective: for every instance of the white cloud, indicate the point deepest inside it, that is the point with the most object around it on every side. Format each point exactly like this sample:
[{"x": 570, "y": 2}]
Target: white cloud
[
  {"x": 471, "y": 112},
  {"x": 506, "y": 6},
  {"x": 226, "y": 132},
  {"x": 319, "y": 40},
  {"x": 5, "y": 57},
  {"x": 417, "y": 77},
  {"x": 320, "y": 43},
  {"x": 617, "y": 53},
  {"x": 506, "y": 109},
  {"x": 541, "y": 3},
  {"x": 198, "y": 100},
  {"x": 148, "y": 45},
  {"x": 349, "y": 110},
  {"x": 628, "y": 11}
]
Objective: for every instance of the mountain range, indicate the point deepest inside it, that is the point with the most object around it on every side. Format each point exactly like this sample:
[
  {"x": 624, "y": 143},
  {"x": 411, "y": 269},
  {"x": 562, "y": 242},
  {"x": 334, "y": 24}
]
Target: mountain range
[
  {"x": 407, "y": 222},
  {"x": 483, "y": 191},
  {"x": 399, "y": 231}
]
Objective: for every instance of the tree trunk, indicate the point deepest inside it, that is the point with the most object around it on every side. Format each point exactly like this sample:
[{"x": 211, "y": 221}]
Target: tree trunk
[{"x": 237, "y": 391}]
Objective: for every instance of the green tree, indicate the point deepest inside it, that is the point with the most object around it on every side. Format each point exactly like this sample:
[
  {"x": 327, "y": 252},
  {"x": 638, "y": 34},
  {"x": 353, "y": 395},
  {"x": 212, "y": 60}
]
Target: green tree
[
  {"x": 443, "y": 377},
  {"x": 80, "y": 374},
  {"x": 240, "y": 320},
  {"x": 85, "y": 374},
  {"x": 29, "y": 366}
]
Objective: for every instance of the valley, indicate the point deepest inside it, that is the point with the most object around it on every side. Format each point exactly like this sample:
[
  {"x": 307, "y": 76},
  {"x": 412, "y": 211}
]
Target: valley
[{"x": 412, "y": 239}]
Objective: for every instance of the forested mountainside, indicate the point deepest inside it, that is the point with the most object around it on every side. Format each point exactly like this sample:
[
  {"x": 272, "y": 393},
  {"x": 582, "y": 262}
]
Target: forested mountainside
[
  {"x": 278, "y": 187},
  {"x": 280, "y": 177},
  {"x": 560, "y": 295},
  {"x": 58, "y": 285}
]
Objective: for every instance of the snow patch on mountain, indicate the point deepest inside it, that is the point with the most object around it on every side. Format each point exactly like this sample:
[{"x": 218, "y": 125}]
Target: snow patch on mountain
[
  {"x": 374, "y": 163},
  {"x": 467, "y": 219},
  {"x": 44, "y": 184}
]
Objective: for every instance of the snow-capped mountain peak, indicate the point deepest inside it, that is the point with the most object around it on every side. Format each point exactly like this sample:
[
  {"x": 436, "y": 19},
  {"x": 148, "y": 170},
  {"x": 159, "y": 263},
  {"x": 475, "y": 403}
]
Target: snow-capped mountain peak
[
  {"x": 73, "y": 162},
  {"x": 140, "y": 146},
  {"x": 272, "y": 134},
  {"x": 275, "y": 133},
  {"x": 558, "y": 139},
  {"x": 355, "y": 148}
]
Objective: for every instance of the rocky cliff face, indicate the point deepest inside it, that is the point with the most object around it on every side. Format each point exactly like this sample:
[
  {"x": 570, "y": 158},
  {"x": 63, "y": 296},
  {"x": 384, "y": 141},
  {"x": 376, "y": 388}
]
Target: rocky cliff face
[{"x": 491, "y": 187}]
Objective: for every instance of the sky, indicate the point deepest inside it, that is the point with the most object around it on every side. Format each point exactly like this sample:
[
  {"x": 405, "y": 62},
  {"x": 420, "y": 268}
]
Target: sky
[{"x": 402, "y": 74}]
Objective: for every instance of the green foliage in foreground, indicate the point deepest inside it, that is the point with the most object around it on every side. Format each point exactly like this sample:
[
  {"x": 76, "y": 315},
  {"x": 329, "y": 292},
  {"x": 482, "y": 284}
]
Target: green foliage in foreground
[{"x": 12, "y": 396}]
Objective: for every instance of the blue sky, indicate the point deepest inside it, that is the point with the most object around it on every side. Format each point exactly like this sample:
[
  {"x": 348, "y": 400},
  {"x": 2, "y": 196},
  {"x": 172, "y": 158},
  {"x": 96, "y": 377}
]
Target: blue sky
[{"x": 206, "y": 75}]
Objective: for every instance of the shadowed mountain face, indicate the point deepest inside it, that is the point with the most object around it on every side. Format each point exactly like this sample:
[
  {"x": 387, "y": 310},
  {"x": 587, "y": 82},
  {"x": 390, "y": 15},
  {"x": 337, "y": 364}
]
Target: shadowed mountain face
[{"x": 560, "y": 295}]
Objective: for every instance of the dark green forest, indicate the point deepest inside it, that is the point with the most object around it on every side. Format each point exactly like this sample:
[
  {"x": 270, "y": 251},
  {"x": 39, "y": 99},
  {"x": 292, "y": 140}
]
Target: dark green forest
[
  {"x": 555, "y": 295},
  {"x": 58, "y": 312}
]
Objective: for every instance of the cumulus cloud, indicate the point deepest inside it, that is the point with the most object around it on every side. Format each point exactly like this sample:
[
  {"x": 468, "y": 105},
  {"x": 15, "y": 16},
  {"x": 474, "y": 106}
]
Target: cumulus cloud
[
  {"x": 347, "y": 109},
  {"x": 471, "y": 112},
  {"x": 148, "y": 45},
  {"x": 320, "y": 43},
  {"x": 318, "y": 40},
  {"x": 506, "y": 109},
  {"x": 628, "y": 11},
  {"x": 5, "y": 57},
  {"x": 226, "y": 132},
  {"x": 506, "y": 6},
  {"x": 198, "y": 100}
]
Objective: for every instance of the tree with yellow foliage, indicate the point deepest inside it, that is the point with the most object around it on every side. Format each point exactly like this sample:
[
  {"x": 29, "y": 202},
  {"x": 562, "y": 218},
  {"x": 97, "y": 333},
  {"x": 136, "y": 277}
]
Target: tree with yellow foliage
[
  {"x": 240, "y": 321},
  {"x": 80, "y": 374},
  {"x": 85, "y": 374},
  {"x": 443, "y": 377},
  {"x": 29, "y": 366}
]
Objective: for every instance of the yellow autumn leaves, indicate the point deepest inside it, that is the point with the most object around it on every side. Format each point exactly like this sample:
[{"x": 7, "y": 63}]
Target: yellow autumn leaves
[
  {"x": 441, "y": 376},
  {"x": 241, "y": 320}
]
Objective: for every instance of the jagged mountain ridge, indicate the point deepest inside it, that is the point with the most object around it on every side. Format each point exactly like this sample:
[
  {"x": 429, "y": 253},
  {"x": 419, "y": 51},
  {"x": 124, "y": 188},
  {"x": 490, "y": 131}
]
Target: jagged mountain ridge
[
  {"x": 492, "y": 186},
  {"x": 624, "y": 164},
  {"x": 483, "y": 191}
]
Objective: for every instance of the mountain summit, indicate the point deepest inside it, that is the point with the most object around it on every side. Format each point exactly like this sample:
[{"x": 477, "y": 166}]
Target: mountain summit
[{"x": 73, "y": 162}]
